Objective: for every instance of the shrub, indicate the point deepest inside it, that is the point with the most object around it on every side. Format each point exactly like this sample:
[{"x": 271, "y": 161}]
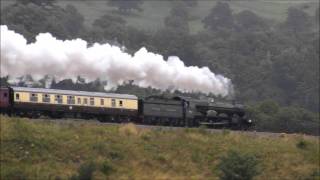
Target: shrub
[
  {"x": 302, "y": 144},
  {"x": 106, "y": 168},
  {"x": 238, "y": 166},
  {"x": 85, "y": 171},
  {"x": 115, "y": 155}
]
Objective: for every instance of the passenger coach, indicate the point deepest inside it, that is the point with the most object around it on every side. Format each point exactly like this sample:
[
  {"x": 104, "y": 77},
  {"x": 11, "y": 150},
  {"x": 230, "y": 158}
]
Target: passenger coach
[{"x": 78, "y": 104}]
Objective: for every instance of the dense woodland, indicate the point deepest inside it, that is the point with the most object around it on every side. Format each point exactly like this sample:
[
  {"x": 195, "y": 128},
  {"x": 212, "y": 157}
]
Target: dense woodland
[{"x": 273, "y": 65}]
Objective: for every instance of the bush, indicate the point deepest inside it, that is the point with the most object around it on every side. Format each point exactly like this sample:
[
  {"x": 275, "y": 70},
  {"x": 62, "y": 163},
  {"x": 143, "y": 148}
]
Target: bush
[
  {"x": 302, "y": 144},
  {"x": 85, "y": 171},
  {"x": 237, "y": 166},
  {"x": 115, "y": 155},
  {"x": 106, "y": 168}
]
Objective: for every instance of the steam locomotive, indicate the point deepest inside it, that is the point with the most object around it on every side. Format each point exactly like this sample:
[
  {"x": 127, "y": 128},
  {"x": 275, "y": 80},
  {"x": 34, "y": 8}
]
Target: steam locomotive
[{"x": 110, "y": 107}]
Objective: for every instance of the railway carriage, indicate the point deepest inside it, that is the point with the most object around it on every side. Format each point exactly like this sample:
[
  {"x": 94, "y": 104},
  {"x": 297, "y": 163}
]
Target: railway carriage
[{"x": 79, "y": 104}]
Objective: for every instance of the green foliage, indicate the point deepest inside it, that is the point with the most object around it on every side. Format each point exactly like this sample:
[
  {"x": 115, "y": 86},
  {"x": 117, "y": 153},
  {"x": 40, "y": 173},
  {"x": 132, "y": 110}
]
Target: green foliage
[
  {"x": 247, "y": 20},
  {"x": 37, "y": 2},
  {"x": 4, "y": 81},
  {"x": 219, "y": 17},
  {"x": 125, "y": 6},
  {"x": 302, "y": 144},
  {"x": 31, "y": 19},
  {"x": 115, "y": 155},
  {"x": 85, "y": 171},
  {"x": 106, "y": 168},
  {"x": 68, "y": 84},
  {"x": 238, "y": 166},
  {"x": 297, "y": 20},
  {"x": 178, "y": 18},
  {"x": 269, "y": 107},
  {"x": 269, "y": 116}
]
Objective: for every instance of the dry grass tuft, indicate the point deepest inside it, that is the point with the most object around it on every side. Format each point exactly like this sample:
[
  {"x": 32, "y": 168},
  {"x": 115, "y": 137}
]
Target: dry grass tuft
[{"x": 129, "y": 129}]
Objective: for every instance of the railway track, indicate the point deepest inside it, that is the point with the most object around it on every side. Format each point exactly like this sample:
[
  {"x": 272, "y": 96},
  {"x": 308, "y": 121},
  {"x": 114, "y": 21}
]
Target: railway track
[{"x": 167, "y": 128}]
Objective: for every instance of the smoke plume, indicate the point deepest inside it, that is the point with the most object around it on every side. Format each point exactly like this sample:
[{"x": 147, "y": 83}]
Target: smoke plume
[{"x": 70, "y": 58}]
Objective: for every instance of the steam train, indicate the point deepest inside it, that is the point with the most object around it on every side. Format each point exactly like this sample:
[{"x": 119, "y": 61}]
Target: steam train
[{"x": 110, "y": 107}]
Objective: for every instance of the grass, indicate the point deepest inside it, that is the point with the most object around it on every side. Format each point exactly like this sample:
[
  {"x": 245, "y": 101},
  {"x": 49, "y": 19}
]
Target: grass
[{"x": 51, "y": 150}]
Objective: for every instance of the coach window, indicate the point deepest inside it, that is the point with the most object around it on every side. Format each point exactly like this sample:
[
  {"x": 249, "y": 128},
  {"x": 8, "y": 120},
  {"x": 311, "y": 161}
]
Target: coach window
[
  {"x": 17, "y": 96},
  {"x": 70, "y": 100},
  {"x": 85, "y": 101},
  {"x": 34, "y": 97},
  {"x": 120, "y": 103},
  {"x": 113, "y": 102},
  {"x": 46, "y": 98},
  {"x": 92, "y": 101},
  {"x": 101, "y": 102},
  {"x": 79, "y": 100},
  {"x": 58, "y": 99},
  {"x": 5, "y": 95}
]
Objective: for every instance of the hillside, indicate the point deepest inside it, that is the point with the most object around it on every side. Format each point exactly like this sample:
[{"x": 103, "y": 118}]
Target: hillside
[
  {"x": 151, "y": 18},
  {"x": 53, "y": 150}
]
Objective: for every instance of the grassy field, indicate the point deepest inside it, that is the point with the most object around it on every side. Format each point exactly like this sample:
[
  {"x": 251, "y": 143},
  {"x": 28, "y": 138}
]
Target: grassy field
[{"x": 51, "y": 150}]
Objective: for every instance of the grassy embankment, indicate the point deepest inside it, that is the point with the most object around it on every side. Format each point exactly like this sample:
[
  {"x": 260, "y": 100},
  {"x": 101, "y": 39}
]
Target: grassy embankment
[{"x": 47, "y": 150}]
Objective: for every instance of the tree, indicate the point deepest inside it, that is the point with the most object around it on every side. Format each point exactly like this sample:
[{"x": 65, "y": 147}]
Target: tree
[
  {"x": 297, "y": 20},
  {"x": 73, "y": 21},
  {"x": 32, "y": 19},
  {"x": 125, "y": 6},
  {"x": 191, "y": 3},
  {"x": 37, "y": 2},
  {"x": 188, "y": 3},
  {"x": 4, "y": 81},
  {"x": 110, "y": 27},
  {"x": 248, "y": 20},
  {"x": 178, "y": 18},
  {"x": 170, "y": 42},
  {"x": 220, "y": 17}
]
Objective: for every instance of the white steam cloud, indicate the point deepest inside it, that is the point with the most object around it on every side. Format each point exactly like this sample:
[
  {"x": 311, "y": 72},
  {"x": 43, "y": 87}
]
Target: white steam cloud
[{"x": 70, "y": 58}]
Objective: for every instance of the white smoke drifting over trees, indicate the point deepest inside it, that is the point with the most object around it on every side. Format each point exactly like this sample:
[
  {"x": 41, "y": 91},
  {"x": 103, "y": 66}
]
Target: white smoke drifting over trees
[{"x": 70, "y": 58}]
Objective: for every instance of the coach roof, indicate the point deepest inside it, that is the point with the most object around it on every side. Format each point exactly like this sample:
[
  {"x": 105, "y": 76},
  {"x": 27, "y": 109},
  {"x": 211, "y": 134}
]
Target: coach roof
[{"x": 74, "y": 93}]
